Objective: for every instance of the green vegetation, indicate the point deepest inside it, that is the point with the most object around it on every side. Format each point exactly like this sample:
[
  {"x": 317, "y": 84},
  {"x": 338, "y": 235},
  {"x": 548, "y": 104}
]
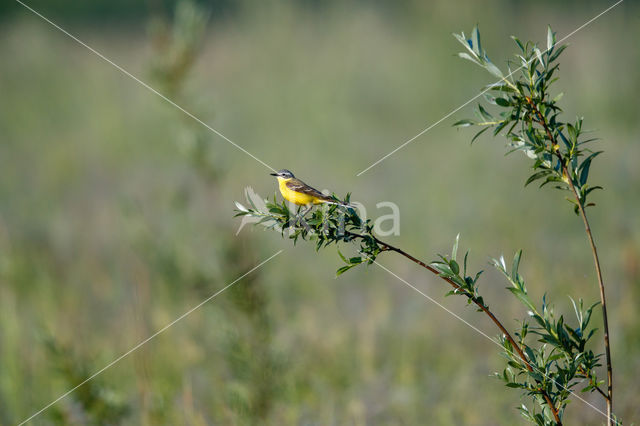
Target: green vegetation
[{"x": 114, "y": 214}]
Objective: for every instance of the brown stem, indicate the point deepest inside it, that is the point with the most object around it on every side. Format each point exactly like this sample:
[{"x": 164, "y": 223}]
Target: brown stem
[
  {"x": 596, "y": 387},
  {"x": 605, "y": 320},
  {"x": 609, "y": 397},
  {"x": 485, "y": 309}
]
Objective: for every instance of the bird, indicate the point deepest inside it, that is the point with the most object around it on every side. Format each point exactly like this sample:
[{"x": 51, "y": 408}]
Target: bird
[{"x": 297, "y": 192}]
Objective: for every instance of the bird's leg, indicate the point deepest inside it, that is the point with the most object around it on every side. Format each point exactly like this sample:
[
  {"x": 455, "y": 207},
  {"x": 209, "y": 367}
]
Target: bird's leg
[
  {"x": 296, "y": 217},
  {"x": 300, "y": 217}
]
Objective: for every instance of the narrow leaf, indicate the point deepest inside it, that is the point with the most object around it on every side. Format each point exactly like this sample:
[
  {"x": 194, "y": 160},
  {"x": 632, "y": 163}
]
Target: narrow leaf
[
  {"x": 537, "y": 176},
  {"x": 516, "y": 265},
  {"x": 241, "y": 207},
  {"x": 464, "y": 123},
  {"x": 522, "y": 297},
  {"x": 493, "y": 69},
  {"x": 589, "y": 158},
  {"x": 343, "y": 269},
  {"x": 468, "y": 57},
  {"x": 454, "y": 252},
  {"x": 539, "y": 56},
  {"x": 455, "y": 268},
  {"x": 551, "y": 38},
  {"x": 478, "y": 134},
  {"x": 484, "y": 113},
  {"x": 518, "y": 42},
  {"x": 475, "y": 41}
]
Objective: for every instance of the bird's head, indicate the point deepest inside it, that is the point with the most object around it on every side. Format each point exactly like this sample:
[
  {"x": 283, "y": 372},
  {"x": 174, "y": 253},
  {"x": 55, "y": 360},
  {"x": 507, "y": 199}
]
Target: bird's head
[{"x": 283, "y": 174}]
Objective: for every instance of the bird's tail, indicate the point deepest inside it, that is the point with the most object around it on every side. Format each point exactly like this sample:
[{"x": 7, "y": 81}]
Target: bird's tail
[{"x": 329, "y": 200}]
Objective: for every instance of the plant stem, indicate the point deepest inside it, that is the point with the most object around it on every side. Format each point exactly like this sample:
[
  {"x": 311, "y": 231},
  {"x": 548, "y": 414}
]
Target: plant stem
[
  {"x": 596, "y": 387},
  {"x": 553, "y": 140},
  {"x": 605, "y": 320},
  {"x": 484, "y": 308}
]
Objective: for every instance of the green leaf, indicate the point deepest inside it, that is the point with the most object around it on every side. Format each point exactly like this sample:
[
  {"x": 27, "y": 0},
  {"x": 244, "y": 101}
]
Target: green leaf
[
  {"x": 468, "y": 57},
  {"x": 532, "y": 357},
  {"x": 464, "y": 123},
  {"x": 343, "y": 269},
  {"x": 466, "y": 255},
  {"x": 442, "y": 268},
  {"x": 522, "y": 297},
  {"x": 539, "y": 320},
  {"x": 498, "y": 265},
  {"x": 500, "y": 87},
  {"x": 241, "y": 207},
  {"x": 573, "y": 133},
  {"x": 484, "y": 113},
  {"x": 500, "y": 126},
  {"x": 519, "y": 43},
  {"x": 479, "y": 133},
  {"x": 539, "y": 56},
  {"x": 344, "y": 259},
  {"x": 475, "y": 41},
  {"x": 455, "y": 268},
  {"x": 454, "y": 252},
  {"x": 493, "y": 69},
  {"x": 537, "y": 176},
  {"x": 588, "y": 388},
  {"x": 557, "y": 53},
  {"x": 574, "y": 333},
  {"x": 503, "y": 102},
  {"x": 587, "y": 316},
  {"x": 551, "y": 179},
  {"x": 584, "y": 167},
  {"x": 463, "y": 40},
  {"x": 589, "y": 158},
  {"x": 516, "y": 265},
  {"x": 551, "y": 38}
]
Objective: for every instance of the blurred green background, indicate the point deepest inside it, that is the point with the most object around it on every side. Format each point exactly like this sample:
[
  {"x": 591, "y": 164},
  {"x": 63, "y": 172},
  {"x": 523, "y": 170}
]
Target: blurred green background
[{"x": 116, "y": 209}]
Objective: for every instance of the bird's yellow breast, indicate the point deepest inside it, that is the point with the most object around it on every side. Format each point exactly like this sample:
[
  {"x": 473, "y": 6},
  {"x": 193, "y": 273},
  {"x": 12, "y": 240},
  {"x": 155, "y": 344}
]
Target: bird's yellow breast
[{"x": 296, "y": 197}]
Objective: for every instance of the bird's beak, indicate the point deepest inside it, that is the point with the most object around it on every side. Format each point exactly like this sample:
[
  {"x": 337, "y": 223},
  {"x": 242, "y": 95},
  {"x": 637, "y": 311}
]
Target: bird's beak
[{"x": 273, "y": 174}]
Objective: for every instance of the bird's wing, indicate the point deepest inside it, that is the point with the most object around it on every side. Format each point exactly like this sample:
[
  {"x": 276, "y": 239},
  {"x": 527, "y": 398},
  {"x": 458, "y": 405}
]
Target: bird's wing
[{"x": 299, "y": 186}]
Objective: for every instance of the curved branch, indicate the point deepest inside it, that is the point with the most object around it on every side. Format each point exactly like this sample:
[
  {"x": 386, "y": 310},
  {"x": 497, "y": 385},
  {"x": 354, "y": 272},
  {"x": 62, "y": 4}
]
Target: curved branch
[{"x": 485, "y": 309}]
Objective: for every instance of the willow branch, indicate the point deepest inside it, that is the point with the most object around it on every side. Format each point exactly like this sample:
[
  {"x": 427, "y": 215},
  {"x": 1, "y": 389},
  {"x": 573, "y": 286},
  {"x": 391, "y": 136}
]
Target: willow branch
[
  {"x": 596, "y": 387},
  {"x": 596, "y": 259},
  {"x": 485, "y": 309}
]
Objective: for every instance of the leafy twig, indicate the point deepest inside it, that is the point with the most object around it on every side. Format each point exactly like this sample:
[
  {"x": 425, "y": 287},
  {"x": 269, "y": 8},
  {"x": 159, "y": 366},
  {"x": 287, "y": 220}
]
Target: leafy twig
[
  {"x": 530, "y": 120},
  {"x": 339, "y": 224}
]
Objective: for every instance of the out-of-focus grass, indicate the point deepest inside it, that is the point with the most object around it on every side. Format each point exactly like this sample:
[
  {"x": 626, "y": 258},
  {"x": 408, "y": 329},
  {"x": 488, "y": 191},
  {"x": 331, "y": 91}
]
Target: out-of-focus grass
[{"x": 108, "y": 231}]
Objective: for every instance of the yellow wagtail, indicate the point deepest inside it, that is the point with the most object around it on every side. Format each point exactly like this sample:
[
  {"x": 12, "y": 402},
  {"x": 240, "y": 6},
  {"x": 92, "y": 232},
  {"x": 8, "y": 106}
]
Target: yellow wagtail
[{"x": 298, "y": 192}]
